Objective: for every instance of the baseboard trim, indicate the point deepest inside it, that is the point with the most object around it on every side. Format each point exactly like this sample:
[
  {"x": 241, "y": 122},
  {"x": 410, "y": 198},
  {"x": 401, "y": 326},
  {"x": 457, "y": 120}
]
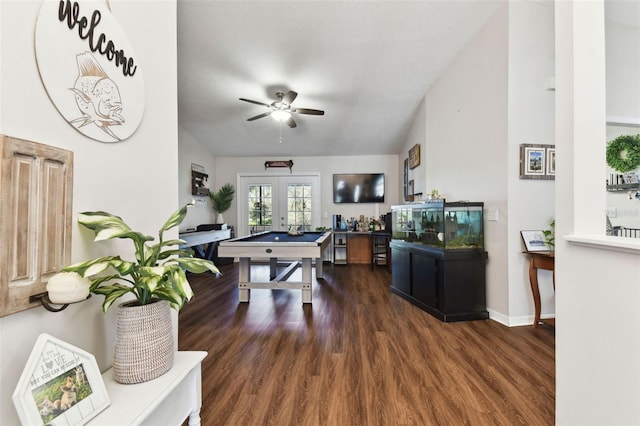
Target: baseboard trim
[{"x": 514, "y": 321}]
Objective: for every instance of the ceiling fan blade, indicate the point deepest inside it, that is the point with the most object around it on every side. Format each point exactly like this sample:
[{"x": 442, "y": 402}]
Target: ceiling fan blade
[
  {"x": 291, "y": 123},
  {"x": 289, "y": 97},
  {"x": 259, "y": 116},
  {"x": 307, "y": 111},
  {"x": 254, "y": 102}
]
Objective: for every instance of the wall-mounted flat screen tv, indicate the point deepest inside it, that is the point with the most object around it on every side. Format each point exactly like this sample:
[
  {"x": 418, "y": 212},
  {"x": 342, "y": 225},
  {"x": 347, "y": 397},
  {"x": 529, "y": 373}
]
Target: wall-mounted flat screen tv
[{"x": 358, "y": 188}]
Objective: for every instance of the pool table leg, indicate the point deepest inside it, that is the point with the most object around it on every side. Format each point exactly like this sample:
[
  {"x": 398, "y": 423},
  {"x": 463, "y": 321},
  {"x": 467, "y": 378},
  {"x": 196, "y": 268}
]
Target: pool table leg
[
  {"x": 273, "y": 267},
  {"x": 244, "y": 277},
  {"x": 319, "y": 271},
  {"x": 306, "y": 280}
]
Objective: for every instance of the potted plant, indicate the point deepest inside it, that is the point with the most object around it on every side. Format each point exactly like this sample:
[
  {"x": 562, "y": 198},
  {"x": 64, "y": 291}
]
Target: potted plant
[
  {"x": 156, "y": 279},
  {"x": 222, "y": 200},
  {"x": 550, "y": 236}
]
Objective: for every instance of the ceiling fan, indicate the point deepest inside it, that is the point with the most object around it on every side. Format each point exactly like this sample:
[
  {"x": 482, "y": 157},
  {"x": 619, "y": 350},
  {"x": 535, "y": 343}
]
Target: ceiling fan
[{"x": 281, "y": 108}]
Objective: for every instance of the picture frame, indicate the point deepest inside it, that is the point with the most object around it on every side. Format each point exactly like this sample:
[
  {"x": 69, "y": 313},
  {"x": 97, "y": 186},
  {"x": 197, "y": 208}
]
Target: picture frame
[
  {"x": 631, "y": 177},
  {"x": 407, "y": 195},
  {"x": 551, "y": 161},
  {"x": 537, "y": 161},
  {"x": 60, "y": 384},
  {"x": 534, "y": 241},
  {"x": 414, "y": 156},
  {"x": 410, "y": 189}
]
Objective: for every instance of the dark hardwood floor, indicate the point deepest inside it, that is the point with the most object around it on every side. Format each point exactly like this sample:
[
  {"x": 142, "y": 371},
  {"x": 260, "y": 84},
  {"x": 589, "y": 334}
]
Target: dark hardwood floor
[{"x": 359, "y": 355}]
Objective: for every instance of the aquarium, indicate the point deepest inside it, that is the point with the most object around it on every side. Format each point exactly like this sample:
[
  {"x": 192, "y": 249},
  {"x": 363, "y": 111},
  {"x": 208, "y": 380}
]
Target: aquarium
[{"x": 440, "y": 224}]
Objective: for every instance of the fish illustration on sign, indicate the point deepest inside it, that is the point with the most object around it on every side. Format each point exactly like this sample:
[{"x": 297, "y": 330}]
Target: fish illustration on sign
[{"x": 97, "y": 96}]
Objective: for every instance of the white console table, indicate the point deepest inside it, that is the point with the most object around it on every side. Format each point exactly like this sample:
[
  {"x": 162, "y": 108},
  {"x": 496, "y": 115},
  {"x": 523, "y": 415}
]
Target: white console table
[{"x": 166, "y": 400}]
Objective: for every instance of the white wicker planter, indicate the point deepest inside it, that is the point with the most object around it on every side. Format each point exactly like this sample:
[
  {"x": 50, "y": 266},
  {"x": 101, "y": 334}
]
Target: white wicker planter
[{"x": 144, "y": 342}]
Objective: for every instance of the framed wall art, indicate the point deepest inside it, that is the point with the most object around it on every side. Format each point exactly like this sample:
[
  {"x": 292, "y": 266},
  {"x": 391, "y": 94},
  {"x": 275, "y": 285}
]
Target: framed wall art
[
  {"x": 537, "y": 161},
  {"x": 405, "y": 179},
  {"x": 534, "y": 241},
  {"x": 551, "y": 161},
  {"x": 61, "y": 384},
  {"x": 414, "y": 156}
]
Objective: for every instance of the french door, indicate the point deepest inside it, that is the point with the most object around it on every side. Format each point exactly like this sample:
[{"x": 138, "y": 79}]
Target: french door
[{"x": 278, "y": 202}]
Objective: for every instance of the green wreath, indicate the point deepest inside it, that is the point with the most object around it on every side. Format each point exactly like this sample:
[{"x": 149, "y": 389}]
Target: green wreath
[{"x": 629, "y": 145}]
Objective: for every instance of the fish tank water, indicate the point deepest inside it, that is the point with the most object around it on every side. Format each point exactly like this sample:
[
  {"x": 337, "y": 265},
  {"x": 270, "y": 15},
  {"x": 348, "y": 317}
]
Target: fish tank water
[{"x": 436, "y": 223}]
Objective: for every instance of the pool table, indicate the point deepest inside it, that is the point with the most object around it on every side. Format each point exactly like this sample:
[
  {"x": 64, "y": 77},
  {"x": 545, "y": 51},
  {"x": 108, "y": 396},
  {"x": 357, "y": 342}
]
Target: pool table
[{"x": 274, "y": 245}]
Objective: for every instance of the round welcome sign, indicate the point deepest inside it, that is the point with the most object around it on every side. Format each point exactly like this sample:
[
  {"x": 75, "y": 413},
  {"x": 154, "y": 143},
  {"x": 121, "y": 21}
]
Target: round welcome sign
[{"x": 89, "y": 69}]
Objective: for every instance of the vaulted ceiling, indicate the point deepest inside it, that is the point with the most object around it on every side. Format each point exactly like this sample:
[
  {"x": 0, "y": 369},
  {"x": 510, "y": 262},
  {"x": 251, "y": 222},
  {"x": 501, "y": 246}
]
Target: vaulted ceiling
[{"x": 367, "y": 64}]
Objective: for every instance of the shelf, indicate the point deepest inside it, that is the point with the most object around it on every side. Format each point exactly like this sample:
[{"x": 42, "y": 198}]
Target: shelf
[
  {"x": 340, "y": 254},
  {"x": 623, "y": 187},
  {"x": 623, "y": 121}
]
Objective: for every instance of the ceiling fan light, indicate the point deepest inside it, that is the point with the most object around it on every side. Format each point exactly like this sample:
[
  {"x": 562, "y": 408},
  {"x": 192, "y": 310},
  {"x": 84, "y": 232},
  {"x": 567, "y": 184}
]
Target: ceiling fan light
[{"x": 280, "y": 115}]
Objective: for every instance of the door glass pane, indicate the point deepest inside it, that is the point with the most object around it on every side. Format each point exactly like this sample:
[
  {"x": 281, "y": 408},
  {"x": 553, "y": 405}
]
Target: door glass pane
[
  {"x": 299, "y": 206},
  {"x": 260, "y": 208}
]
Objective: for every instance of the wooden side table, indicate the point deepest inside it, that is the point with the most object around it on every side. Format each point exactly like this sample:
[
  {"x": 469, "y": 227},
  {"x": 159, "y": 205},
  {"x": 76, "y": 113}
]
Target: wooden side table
[{"x": 540, "y": 260}]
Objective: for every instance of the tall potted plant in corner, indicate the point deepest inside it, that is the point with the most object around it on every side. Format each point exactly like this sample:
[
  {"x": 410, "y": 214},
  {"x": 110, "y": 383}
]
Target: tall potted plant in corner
[
  {"x": 222, "y": 200},
  {"x": 144, "y": 346}
]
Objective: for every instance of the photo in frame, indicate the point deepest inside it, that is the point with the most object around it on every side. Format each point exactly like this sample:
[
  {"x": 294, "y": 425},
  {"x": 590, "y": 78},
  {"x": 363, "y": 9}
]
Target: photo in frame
[
  {"x": 414, "y": 156},
  {"x": 534, "y": 241},
  {"x": 60, "y": 385},
  {"x": 631, "y": 177},
  {"x": 534, "y": 161},
  {"x": 551, "y": 161}
]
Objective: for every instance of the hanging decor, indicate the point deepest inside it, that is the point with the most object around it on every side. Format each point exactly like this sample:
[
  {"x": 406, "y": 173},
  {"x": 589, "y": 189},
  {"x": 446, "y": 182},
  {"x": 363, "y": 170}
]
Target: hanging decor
[
  {"x": 89, "y": 69},
  {"x": 279, "y": 163},
  {"x": 537, "y": 161},
  {"x": 414, "y": 156},
  {"x": 623, "y": 153}
]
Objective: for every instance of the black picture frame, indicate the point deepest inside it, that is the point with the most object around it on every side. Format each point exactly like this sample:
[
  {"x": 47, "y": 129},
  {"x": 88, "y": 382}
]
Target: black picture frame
[{"x": 407, "y": 196}]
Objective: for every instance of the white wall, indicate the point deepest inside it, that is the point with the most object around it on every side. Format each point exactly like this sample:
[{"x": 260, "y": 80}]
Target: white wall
[
  {"x": 191, "y": 151},
  {"x": 417, "y": 134},
  {"x": 622, "y": 44},
  {"x": 136, "y": 179},
  {"x": 598, "y": 294},
  {"x": 462, "y": 129},
  {"x": 227, "y": 169},
  {"x": 488, "y": 101},
  {"x": 532, "y": 121}
]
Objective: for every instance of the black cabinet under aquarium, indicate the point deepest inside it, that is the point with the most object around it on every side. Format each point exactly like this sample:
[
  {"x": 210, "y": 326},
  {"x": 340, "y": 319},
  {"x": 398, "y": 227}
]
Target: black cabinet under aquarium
[{"x": 438, "y": 258}]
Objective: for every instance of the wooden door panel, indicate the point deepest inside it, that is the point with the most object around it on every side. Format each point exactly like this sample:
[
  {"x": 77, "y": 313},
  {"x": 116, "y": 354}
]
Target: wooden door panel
[{"x": 35, "y": 219}]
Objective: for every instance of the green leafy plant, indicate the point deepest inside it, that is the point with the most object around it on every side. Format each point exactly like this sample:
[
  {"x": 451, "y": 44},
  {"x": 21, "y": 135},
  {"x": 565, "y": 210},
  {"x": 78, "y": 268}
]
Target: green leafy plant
[
  {"x": 223, "y": 198},
  {"x": 623, "y": 153},
  {"x": 157, "y": 272},
  {"x": 550, "y": 235}
]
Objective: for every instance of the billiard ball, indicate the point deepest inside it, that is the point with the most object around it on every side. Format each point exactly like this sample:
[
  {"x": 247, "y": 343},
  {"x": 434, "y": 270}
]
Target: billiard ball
[{"x": 277, "y": 238}]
